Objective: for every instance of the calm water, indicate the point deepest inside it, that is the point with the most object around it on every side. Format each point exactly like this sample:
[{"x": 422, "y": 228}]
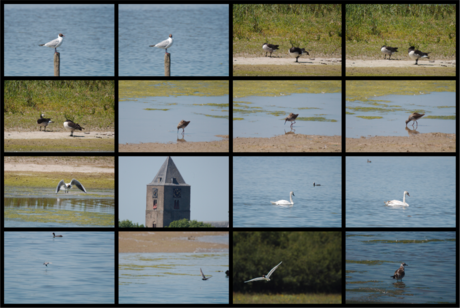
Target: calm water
[
  {"x": 393, "y": 123},
  {"x": 51, "y": 210},
  {"x": 373, "y": 257},
  {"x": 82, "y": 269},
  {"x": 140, "y": 125},
  {"x": 173, "y": 278},
  {"x": 88, "y": 48},
  {"x": 200, "y": 39},
  {"x": 264, "y": 124},
  {"x": 431, "y": 189},
  {"x": 259, "y": 180}
]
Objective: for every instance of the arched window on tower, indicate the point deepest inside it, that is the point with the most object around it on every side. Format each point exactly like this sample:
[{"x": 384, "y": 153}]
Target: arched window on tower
[
  {"x": 154, "y": 204},
  {"x": 176, "y": 204}
]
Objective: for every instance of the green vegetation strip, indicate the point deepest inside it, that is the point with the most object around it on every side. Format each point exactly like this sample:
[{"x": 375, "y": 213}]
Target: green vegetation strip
[
  {"x": 59, "y": 145},
  {"x": 90, "y": 103},
  {"x": 318, "y": 119},
  {"x": 312, "y": 298},
  {"x": 318, "y": 28},
  {"x": 287, "y": 70},
  {"x": 441, "y": 117},
  {"x": 61, "y": 216},
  {"x": 132, "y": 89},
  {"x": 369, "y": 117},
  {"x": 48, "y": 179},
  {"x": 407, "y": 241},
  {"x": 399, "y": 71},
  {"x": 156, "y": 109}
]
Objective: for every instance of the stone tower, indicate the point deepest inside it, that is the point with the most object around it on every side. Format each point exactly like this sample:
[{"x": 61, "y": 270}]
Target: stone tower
[{"x": 168, "y": 197}]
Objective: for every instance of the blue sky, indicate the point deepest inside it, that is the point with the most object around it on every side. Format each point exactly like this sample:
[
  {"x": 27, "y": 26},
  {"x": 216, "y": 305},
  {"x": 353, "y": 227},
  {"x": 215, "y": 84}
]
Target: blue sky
[{"x": 208, "y": 177}]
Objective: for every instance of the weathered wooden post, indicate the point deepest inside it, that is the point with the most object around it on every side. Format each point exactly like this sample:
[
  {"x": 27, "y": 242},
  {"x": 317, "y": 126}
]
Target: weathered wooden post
[
  {"x": 167, "y": 64},
  {"x": 57, "y": 64}
]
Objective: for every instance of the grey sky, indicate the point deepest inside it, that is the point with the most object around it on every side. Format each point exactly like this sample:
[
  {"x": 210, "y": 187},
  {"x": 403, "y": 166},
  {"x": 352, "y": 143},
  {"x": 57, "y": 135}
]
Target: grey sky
[{"x": 208, "y": 177}]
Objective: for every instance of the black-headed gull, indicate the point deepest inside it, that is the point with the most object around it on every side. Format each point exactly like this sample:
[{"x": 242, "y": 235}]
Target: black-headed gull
[
  {"x": 46, "y": 263},
  {"x": 54, "y": 235},
  {"x": 202, "y": 275},
  {"x": 399, "y": 273},
  {"x": 43, "y": 121},
  {"x": 69, "y": 125},
  {"x": 165, "y": 44},
  {"x": 54, "y": 43},
  {"x": 417, "y": 54},
  {"x": 67, "y": 186},
  {"x": 267, "y": 277}
]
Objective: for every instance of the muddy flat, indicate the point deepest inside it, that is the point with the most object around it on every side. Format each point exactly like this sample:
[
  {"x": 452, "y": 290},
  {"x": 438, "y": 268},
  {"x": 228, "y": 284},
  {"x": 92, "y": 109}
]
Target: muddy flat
[
  {"x": 289, "y": 143},
  {"x": 286, "y": 61},
  {"x": 140, "y": 242},
  {"x": 431, "y": 142},
  {"x": 211, "y": 146}
]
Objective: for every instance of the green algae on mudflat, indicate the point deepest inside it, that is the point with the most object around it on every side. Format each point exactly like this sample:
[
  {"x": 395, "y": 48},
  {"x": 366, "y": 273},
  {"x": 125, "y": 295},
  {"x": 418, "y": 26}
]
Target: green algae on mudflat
[
  {"x": 441, "y": 117},
  {"x": 373, "y": 109},
  {"x": 131, "y": 89},
  {"x": 318, "y": 119},
  {"x": 243, "y": 88},
  {"x": 213, "y": 104},
  {"x": 60, "y": 216},
  {"x": 156, "y": 109},
  {"x": 238, "y": 119}
]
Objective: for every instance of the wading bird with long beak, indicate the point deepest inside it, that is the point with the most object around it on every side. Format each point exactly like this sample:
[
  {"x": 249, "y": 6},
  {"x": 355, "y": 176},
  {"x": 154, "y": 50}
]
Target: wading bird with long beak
[
  {"x": 414, "y": 117},
  {"x": 182, "y": 124},
  {"x": 291, "y": 117}
]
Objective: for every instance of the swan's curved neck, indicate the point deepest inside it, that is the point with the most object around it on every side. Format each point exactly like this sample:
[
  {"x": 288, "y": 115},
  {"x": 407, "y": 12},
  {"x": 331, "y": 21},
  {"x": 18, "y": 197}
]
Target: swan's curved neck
[
  {"x": 290, "y": 197},
  {"x": 404, "y": 198}
]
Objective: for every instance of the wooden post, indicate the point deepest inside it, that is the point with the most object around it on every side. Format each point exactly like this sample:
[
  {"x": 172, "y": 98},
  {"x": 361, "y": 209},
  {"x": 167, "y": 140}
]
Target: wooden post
[
  {"x": 57, "y": 64},
  {"x": 167, "y": 64}
]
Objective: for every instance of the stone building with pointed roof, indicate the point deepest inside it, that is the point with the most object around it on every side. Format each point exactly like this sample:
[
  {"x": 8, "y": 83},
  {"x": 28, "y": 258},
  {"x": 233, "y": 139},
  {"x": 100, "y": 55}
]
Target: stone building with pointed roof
[{"x": 168, "y": 197}]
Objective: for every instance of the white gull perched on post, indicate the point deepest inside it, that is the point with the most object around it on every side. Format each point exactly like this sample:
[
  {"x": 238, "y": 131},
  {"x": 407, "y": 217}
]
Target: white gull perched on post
[
  {"x": 165, "y": 44},
  {"x": 54, "y": 43}
]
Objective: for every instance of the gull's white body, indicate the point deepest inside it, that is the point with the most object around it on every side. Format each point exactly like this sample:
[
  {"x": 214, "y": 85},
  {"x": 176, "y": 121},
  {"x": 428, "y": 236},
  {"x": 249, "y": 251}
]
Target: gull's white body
[
  {"x": 265, "y": 277},
  {"x": 55, "y": 43},
  {"x": 67, "y": 186},
  {"x": 165, "y": 44},
  {"x": 397, "y": 202},
  {"x": 284, "y": 202}
]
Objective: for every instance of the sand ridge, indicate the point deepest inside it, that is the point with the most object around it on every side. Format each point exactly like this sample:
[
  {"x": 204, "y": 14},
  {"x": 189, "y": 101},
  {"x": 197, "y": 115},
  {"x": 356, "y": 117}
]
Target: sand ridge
[{"x": 58, "y": 135}]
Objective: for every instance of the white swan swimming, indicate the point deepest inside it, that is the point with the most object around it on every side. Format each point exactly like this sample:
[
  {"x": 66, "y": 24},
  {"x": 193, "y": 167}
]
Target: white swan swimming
[
  {"x": 284, "y": 202},
  {"x": 397, "y": 202}
]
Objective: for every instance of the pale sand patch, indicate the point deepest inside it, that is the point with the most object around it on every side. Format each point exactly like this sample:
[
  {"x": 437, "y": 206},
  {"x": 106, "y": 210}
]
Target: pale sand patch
[
  {"x": 286, "y": 61},
  {"x": 13, "y": 167},
  {"x": 212, "y": 146},
  {"x": 58, "y": 135},
  {"x": 431, "y": 142},
  {"x": 399, "y": 63},
  {"x": 289, "y": 143},
  {"x": 165, "y": 242}
]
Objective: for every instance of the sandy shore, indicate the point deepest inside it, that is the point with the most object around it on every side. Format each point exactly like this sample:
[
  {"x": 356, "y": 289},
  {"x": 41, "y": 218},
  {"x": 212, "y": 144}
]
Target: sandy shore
[
  {"x": 165, "y": 241},
  {"x": 399, "y": 63},
  {"x": 59, "y": 164},
  {"x": 286, "y": 61},
  {"x": 289, "y": 143},
  {"x": 432, "y": 142},
  {"x": 58, "y": 135},
  {"x": 212, "y": 146}
]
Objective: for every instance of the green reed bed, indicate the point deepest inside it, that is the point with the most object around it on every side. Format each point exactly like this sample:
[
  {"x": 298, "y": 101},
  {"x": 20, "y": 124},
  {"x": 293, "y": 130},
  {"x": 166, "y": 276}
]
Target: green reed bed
[
  {"x": 241, "y": 298},
  {"x": 91, "y": 103},
  {"x": 315, "y": 27},
  {"x": 428, "y": 27}
]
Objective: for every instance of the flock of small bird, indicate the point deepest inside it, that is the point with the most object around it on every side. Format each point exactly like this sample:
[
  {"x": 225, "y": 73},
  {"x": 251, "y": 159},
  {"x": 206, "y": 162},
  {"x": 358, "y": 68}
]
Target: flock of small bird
[
  {"x": 413, "y": 53},
  {"x": 68, "y": 124}
]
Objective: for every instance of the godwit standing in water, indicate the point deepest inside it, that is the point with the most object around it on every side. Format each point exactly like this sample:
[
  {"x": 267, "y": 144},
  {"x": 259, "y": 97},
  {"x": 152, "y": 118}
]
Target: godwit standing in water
[
  {"x": 267, "y": 277},
  {"x": 399, "y": 274},
  {"x": 417, "y": 54},
  {"x": 269, "y": 48},
  {"x": 43, "y": 121},
  {"x": 387, "y": 50},
  {"x": 182, "y": 124},
  {"x": 291, "y": 117},
  {"x": 414, "y": 117}
]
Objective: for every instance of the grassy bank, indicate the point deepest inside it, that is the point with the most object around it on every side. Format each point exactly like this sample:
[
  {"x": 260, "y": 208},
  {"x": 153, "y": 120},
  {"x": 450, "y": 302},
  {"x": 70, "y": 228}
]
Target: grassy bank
[
  {"x": 241, "y": 298},
  {"x": 59, "y": 145},
  {"x": 90, "y": 103},
  {"x": 315, "y": 27},
  {"x": 286, "y": 70},
  {"x": 428, "y": 27}
]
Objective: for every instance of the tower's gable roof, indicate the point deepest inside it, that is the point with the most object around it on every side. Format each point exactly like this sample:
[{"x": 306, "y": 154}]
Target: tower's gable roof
[{"x": 168, "y": 174}]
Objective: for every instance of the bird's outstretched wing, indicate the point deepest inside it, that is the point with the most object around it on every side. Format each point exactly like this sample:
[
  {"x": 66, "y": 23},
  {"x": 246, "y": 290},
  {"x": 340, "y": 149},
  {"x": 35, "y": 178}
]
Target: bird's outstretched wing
[
  {"x": 256, "y": 279},
  {"x": 59, "y": 185},
  {"x": 78, "y": 184},
  {"x": 273, "y": 269}
]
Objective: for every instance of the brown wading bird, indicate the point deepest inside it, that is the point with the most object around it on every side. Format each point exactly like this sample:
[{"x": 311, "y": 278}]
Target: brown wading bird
[
  {"x": 182, "y": 124},
  {"x": 291, "y": 117},
  {"x": 399, "y": 274},
  {"x": 414, "y": 117}
]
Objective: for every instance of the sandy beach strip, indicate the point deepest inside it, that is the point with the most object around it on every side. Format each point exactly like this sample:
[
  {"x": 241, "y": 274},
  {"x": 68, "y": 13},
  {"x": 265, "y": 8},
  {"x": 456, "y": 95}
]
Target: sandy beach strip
[
  {"x": 58, "y": 135},
  {"x": 289, "y": 143},
  {"x": 145, "y": 241},
  {"x": 211, "y": 146}
]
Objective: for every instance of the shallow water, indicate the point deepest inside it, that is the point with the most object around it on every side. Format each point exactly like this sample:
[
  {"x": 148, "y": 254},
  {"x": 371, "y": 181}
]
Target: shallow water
[
  {"x": 36, "y": 207},
  {"x": 431, "y": 189},
  {"x": 259, "y": 180},
  {"x": 138, "y": 125},
  {"x": 200, "y": 39},
  {"x": 393, "y": 121},
  {"x": 82, "y": 269},
  {"x": 265, "y": 122},
  {"x": 173, "y": 278},
  {"x": 373, "y": 257}
]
